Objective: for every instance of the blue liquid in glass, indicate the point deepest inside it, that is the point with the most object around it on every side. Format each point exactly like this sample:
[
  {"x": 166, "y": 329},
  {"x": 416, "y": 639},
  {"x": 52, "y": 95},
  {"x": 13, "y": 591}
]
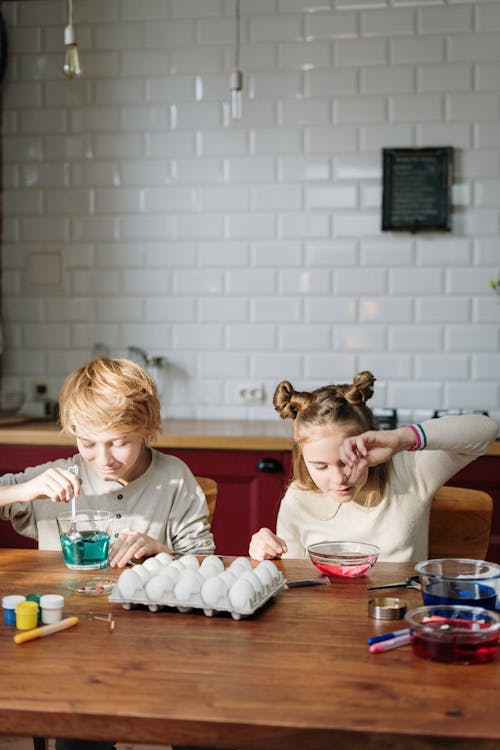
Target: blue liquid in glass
[
  {"x": 88, "y": 549},
  {"x": 460, "y": 593}
]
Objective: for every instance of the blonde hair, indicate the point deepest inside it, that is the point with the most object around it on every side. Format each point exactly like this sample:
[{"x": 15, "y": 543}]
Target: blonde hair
[
  {"x": 114, "y": 395},
  {"x": 343, "y": 406}
]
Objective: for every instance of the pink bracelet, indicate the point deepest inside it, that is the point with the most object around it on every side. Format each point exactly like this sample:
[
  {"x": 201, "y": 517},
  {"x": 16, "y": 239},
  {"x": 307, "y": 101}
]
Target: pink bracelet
[{"x": 418, "y": 438}]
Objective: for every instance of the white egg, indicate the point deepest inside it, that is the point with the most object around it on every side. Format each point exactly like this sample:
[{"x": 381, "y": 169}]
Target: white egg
[
  {"x": 214, "y": 593},
  {"x": 177, "y": 565},
  {"x": 128, "y": 583},
  {"x": 241, "y": 564},
  {"x": 143, "y": 573},
  {"x": 172, "y": 574},
  {"x": 152, "y": 565},
  {"x": 264, "y": 575},
  {"x": 189, "y": 561},
  {"x": 228, "y": 577},
  {"x": 255, "y": 582},
  {"x": 155, "y": 588},
  {"x": 212, "y": 561},
  {"x": 164, "y": 558},
  {"x": 241, "y": 596},
  {"x": 188, "y": 585},
  {"x": 209, "y": 571},
  {"x": 273, "y": 570}
]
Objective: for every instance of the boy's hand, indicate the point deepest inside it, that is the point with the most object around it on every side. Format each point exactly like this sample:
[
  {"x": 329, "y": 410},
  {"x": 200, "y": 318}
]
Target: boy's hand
[
  {"x": 131, "y": 544},
  {"x": 59, "y": 485},
  {"x": 264, "y": 545}
]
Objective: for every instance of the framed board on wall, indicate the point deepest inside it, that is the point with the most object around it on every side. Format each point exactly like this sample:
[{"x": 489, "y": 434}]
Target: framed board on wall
[{"x": 416, "y": 192}]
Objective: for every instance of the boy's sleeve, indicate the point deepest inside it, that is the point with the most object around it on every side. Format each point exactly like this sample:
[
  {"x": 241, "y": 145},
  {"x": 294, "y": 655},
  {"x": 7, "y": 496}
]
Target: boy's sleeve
[{"x": 188, "y": 520}]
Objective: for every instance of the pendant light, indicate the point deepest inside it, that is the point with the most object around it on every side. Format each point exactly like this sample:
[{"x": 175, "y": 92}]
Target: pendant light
[
  {"x": 71, "y": 67},
  {"x": 236, "y": 80}
]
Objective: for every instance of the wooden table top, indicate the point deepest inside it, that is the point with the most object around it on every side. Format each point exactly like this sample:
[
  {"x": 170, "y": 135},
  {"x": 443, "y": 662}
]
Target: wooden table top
[{"x": 297, "y": 674}]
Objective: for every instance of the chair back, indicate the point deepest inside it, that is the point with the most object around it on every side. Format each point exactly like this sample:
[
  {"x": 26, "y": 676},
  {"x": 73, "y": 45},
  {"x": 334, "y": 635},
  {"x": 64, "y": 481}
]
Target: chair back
[
  {"x": 209, "y": 487},
  {"x": 460, "y": 523}
]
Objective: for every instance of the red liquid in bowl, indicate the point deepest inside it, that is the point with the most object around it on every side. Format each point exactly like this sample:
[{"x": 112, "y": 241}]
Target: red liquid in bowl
[
  {"x": 455, "y": 650},
  {"x": 343, "y": 571}
]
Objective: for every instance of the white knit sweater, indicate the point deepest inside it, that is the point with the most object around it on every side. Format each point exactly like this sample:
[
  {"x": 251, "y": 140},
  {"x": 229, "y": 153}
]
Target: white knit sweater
[{"x": 399, "y": 523}]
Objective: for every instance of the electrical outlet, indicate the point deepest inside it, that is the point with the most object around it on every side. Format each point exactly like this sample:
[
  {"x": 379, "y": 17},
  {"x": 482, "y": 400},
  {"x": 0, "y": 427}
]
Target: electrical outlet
[{"x": 251, "y": 393}]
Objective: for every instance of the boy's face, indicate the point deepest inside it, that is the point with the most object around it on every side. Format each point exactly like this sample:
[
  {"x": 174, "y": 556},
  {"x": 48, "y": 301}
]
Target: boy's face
[
  {"x": 321, "y": 457},
  {"x": 114, "y": 457}
]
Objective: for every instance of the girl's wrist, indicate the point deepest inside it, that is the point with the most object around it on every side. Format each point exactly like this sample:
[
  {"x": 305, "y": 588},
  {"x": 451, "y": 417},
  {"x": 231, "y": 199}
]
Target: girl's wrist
[{"x": 418, "y": 437}]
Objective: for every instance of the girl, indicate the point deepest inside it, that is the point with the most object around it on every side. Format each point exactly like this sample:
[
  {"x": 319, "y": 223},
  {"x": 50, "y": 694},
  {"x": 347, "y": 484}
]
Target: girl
[
  {"x": 353, "y": 482},
  {"x": 111, "y": 408}
]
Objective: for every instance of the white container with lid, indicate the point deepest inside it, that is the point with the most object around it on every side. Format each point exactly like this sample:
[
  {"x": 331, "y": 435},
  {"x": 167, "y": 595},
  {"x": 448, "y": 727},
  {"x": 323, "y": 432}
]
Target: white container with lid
[
  {"x": 9, "y": 604},
  {"x": 52, "y": 608}
]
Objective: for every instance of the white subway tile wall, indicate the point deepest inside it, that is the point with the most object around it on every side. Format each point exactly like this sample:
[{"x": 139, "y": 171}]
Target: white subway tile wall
[{"x": 137, "y": 212}]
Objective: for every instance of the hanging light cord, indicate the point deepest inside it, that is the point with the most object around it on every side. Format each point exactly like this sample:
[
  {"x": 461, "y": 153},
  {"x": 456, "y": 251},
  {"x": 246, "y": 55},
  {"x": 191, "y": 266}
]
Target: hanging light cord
[
  {"x": 237, "y": 42},
  {"x": 70, "y": 12}
]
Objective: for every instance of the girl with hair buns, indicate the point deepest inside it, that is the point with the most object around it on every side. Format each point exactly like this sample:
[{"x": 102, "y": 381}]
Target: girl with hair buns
[
  {"x": 355, "y": 482},
  {"x": 111, "y": 408}
]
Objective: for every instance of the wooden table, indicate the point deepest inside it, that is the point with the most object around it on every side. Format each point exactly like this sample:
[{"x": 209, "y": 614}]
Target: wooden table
[{"x": 296, "y": 675}]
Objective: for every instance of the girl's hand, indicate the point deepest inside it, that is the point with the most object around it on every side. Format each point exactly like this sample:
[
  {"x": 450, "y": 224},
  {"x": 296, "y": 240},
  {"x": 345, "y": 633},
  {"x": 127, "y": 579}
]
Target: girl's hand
[
  {"x": 374, "y": 447},
  {"x": 59, "y": 485},
  {"x": 264, "y": 545},
  {"x": 131, "y": 544}
]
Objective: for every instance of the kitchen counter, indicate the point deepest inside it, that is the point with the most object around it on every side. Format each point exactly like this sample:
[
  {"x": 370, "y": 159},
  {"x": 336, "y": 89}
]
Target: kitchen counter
[
  {"x": 216, "y": 434},
  {"x": 176, "y": 433}
]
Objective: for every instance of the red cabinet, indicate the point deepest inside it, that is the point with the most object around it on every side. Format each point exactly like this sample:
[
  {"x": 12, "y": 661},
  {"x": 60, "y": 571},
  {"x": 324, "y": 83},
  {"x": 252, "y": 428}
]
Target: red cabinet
[
  {"x": 250, "y": 487},
  {"x": 14, "y": 458}
]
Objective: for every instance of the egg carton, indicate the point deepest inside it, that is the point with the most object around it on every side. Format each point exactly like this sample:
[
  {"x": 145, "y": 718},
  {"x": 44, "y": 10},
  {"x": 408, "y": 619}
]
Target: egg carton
[{"x": 185, "y": 584}]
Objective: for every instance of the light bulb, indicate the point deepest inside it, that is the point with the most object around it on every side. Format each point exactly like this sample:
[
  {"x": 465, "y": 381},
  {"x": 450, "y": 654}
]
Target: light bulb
[
  {"x": 71, "y": 67},
  {"x": 236, "y": 84}
]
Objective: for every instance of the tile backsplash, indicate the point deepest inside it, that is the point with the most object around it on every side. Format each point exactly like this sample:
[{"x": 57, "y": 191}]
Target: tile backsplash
[{"x": 137, "y": 212}]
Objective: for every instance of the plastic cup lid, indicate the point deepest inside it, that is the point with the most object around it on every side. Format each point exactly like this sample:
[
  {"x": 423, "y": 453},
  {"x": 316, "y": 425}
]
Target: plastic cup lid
[
  {"x": 51, "y": 601},
  {"x": 9, "y": 602}
]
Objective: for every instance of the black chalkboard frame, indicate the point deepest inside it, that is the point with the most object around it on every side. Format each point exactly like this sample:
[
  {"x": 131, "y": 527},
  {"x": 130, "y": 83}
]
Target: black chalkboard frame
[{"x": 435, "y": 215}]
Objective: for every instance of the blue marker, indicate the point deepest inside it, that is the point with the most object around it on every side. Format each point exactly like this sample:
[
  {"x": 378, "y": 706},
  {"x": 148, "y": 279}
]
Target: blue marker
[{"x": 388, "y": 636}]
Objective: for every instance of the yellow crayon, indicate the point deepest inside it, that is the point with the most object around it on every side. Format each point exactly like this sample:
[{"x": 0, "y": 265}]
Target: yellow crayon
[{"x": 29, "y": 635}]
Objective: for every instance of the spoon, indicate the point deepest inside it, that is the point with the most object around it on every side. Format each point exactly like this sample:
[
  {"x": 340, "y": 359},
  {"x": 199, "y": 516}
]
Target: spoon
[
  {"x": 413, "y": 582},
  {"x": 73, "y": 532}
]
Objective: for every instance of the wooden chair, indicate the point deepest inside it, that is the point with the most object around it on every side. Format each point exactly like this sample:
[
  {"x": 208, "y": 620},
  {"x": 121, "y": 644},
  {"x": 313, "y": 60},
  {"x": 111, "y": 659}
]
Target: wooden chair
[
  {"x": 209, "y": 487},
  {"x": 460, "y": 523}
]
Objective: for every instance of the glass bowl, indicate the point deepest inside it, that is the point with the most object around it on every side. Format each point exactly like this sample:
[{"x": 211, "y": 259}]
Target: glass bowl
[
  {"x": 459, "y": 581},
  {"x": 343, "y": 559},
  {"x": 454, "y": 634}
]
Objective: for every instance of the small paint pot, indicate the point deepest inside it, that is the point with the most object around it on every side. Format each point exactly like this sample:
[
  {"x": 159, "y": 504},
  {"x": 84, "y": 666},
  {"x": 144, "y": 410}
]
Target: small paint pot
[
  {"x": 9, "y": 604},
  {"x": 35, "y": 598},
  {"x": 52, "y": 608},
  {"x": 26, "y": 615}
]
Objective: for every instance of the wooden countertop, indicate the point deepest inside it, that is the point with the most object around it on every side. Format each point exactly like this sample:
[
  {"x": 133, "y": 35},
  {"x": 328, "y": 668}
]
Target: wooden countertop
[
  {"x": 176, "y": 433},
  {"x": 217, "y": 434}
]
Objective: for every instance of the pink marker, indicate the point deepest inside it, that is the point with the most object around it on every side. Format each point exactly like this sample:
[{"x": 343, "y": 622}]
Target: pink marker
[{"x": 400, "y": 640}]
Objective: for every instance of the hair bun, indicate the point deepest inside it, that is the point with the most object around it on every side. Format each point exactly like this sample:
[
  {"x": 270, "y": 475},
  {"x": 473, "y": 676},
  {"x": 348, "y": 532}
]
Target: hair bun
[
  {"x": 361, "y": 389},
  {"x": 288, "y": 402}
]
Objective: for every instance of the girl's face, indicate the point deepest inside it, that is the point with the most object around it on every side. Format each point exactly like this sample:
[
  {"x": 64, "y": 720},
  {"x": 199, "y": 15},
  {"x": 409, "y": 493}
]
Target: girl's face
[
  {"x": 116, "y": 458},
  {"x": 320, "y": 452}
]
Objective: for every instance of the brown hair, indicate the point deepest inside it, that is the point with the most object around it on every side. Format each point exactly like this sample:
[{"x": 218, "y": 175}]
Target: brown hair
[
  {"x": 114, "y": 395},
  {"x": 343, "y": 405}
]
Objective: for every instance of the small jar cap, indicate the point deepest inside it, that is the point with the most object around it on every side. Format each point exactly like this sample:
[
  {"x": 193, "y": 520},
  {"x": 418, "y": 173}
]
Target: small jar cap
[
  {"x": 51, "y": 601},
  {"x": 26, "y": 608},
  {"x": 10, "y": 601},
  {"x": 387, "y": 608}
]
